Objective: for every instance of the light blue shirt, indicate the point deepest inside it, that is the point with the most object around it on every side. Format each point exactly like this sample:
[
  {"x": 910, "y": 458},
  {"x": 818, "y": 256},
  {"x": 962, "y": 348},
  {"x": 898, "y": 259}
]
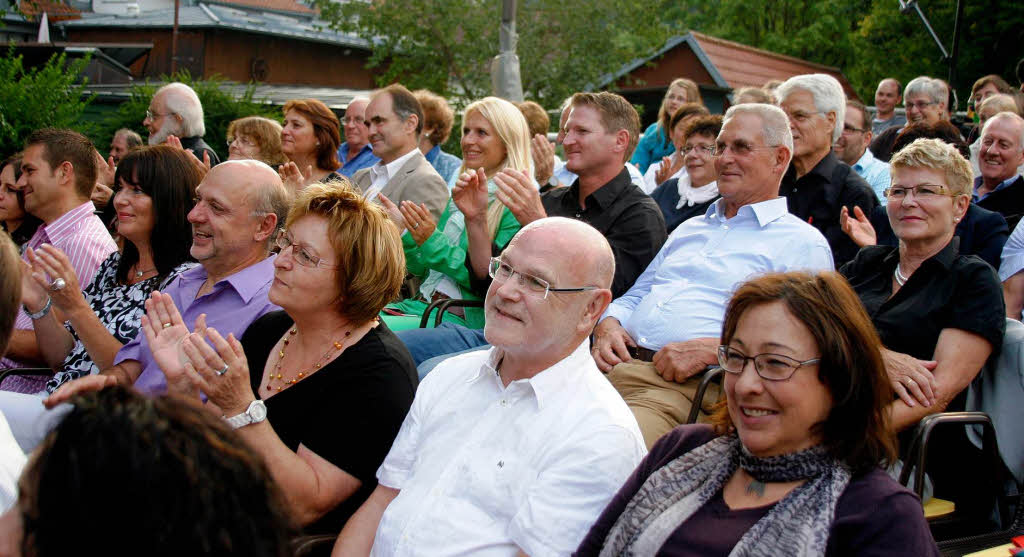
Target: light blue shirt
[
  {"x": 875, "y": 172},
  {"x": 683, "y": 292},
  {"x": 1002, "y": 186}
]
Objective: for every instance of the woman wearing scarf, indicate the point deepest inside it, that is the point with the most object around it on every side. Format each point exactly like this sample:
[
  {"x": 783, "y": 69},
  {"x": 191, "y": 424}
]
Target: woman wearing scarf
[
  {"x": 495, "y": 139},
  {"x": 696, "y": 189},
  {"x": 791, "y": 465}
]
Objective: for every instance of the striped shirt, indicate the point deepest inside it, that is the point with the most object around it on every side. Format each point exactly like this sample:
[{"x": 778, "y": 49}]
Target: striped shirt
[{"x": 80, "y": 234}]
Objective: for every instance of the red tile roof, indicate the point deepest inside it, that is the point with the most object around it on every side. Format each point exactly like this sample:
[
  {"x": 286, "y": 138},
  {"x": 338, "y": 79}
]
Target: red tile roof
[
  {"x": 276, "y": 5},
  {"x": 55, "y": 11}
]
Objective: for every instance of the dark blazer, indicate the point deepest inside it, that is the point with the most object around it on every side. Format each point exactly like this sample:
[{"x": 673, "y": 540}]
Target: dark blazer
[
  {"x": 1008, "y": 202},
  {"x": 416, "y": 181},
  {"x": 981, "y": 232}
]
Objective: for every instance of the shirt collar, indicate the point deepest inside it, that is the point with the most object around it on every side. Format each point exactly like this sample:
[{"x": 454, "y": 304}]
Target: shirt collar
[
  {"x": 390, "y": 170},
  {"x": 343, "y": 150},
  {"x": 546, "y": 384},
  {"x": 945, "y": 257},
  {"x": 1002, "y": 185},
  {"x": 865, "y": 160},
  {"x": 432, "y": 154},
  {"x": 765, "y": 212},
  {"x": 248, "y": 282},
  {"x": 606, "y": 195},
  {"x": 67, "y": 224}
]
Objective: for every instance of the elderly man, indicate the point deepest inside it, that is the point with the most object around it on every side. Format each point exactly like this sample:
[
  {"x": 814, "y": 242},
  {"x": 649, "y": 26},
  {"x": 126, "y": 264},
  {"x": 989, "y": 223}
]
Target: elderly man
[
  {"x": 852, "y": 149},
  {"x": 124, "y": 140},
  {"x": 175, "y": 110},
  {"x": 516, "y": 449},
  {"x": 665, "y": 329},
  {"x": 58, "y": 174},
  {"x": 925, "y": 99},
  {"x": 887, "y": 96},
  {"x": 394, "y": 119},
  {"x": 817, "y": 184},
  {"x": 355, "y": 153},
  {"x": 1000, "y": 188}
]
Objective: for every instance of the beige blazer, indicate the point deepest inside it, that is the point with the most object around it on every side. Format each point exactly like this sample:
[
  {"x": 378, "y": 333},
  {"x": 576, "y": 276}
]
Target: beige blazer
[{"x": 416, "y": 181}]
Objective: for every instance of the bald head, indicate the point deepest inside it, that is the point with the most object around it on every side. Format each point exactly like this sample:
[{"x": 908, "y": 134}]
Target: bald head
[{"x": 587, "y": 256}]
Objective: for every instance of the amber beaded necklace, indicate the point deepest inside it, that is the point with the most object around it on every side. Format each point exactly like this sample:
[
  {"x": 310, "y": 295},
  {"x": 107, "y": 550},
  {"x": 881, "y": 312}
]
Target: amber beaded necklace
[{"x": 279, "y": 377}]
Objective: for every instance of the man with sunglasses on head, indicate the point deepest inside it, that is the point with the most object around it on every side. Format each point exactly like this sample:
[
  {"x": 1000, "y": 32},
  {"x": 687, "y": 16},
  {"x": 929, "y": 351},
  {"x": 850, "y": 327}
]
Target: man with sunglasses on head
[
  {"x": 658, "y": 336},
  {"x": 515, "y": 449}
]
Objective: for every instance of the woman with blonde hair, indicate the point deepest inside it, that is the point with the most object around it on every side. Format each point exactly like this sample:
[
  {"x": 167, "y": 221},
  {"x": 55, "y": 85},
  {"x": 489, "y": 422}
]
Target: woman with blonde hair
[
  {"x": 655, "y": 144},
  {"x": 474, "y": 225},
  {"x": 255, "y": 137}
]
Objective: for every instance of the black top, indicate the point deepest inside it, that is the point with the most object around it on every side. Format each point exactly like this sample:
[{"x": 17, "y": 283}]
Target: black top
[
  {"x": 25, "y": 230},
  {"x": 981, "y": 232},
  {"x": 881, "y": 146},
  {"x": 818, "y": 196},
  {"x": 628, "y": 218},
  {"x": 874, "y": 515},
  {"x": 667, "y": 197},
  {"x": 1008, "y": 202},
  {"x": 198, "y": 146},
  {"x": 349, "y": 412}
]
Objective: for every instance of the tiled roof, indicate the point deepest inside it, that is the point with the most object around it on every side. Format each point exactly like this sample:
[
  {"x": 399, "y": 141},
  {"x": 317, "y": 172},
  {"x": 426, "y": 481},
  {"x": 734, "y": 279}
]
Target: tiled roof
[
  {"x": 55, "y": 11},
  {"x": 334, "y": 97},
  {"x": 275, "y": 5}
]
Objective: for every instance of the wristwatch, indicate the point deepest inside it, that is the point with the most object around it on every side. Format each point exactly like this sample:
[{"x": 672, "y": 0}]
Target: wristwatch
[{"x": 255, "y": 413}]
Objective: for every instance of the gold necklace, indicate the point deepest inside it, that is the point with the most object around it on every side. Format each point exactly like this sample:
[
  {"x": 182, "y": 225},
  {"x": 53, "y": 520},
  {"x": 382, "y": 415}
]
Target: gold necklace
[{"x": 276, "y": 375}]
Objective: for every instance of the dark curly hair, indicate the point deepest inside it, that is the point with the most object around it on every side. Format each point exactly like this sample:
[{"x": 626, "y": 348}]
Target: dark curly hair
[
  {"x": 128, "y": 475},
  {"x": 942, "y": 129}
]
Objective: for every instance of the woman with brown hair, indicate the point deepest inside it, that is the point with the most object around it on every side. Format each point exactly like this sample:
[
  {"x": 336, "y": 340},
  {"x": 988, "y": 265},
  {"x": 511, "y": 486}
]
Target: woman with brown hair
[
  {"x": 255, "y": 137},
  {"x": 672, "y": 166},
  {"x": 13, "y": 218},
  {"x": 792, "y": 464},
  {"x": 310, "y": 140},
  {"x": 655, "y": 143}
]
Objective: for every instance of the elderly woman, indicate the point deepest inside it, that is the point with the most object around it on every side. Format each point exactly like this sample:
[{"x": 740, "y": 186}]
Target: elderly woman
[
  {"x": 938, "y": 313},
  {"x": 255, "y": 137},
  {"x": 656, "y": 143},
  {"x": 438, "y": 118},
  {"x": 13, "y": 218},
  {"x": 155, "y": 191},
  {"x": 310, "y": 140},
  {"x": 474, "y": 225},
  {"x": 672, "y": 166},
  {"x": 321, "y": 388},
  {"x": 791, "y": 466},
  {"x": 694, "y": 191}
]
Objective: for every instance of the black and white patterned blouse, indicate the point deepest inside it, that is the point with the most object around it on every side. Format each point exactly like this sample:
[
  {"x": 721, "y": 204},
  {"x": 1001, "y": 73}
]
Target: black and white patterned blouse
[{"x": 119, "y": 307}]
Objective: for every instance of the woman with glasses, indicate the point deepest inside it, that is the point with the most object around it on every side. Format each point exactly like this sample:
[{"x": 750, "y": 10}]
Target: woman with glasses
[
  {"x": 310, "y": 140},
  {"x": 690, "y": 194},
  {"x": 940, "y": 314},
  {"x": 791, "y": 464},
  {"x": 255, "y": 137},
  {"x": 672, "y": 166},
  {"x": 321, "y": 388},
  {"x": 655, "y": 143}
]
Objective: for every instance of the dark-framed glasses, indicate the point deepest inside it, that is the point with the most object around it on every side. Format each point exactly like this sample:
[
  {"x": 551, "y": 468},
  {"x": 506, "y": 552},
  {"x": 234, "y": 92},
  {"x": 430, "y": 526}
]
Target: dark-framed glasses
[
  {"x": 770, "y": 367},
  {"x": 300, "y": 253},
  {"x": 920, "y": 191},
  {"x": 502, "y": 272}
]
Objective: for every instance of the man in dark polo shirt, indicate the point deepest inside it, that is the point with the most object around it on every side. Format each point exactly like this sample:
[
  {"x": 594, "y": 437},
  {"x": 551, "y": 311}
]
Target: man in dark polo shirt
[
  {"x": 817, "y": 184},
  {"x": 1000, "y": 188}
]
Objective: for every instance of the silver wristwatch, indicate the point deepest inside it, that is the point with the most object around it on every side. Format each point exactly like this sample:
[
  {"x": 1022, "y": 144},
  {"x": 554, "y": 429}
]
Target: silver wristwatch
[{"x": 255, "y": 413}]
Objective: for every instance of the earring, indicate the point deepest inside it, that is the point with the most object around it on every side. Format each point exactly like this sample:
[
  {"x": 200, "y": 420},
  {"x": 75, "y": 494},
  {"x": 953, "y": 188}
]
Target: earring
[{"x": 956, "y": 219}]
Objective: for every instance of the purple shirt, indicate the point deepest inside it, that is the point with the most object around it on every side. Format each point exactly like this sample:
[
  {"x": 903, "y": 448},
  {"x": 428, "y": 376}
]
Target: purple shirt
[{"x": 234, "y": 303}]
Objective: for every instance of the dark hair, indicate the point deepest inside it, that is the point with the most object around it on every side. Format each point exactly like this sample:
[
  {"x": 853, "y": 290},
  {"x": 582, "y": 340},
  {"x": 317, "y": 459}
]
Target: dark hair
[
  {"x": 169, "y": 176},
  {"x": 864, "y": 114},
  {"x": 704, "y": 125},
  {"x": 943, "y": 129},
  {"x": 404, "y": 104},
  {"x": 59, "y": 146},
  {"x": 537, "y": 118},
  {"x": 856, "y": 430},
  {"x": 685, "y": 110},
  {"x": 14, "y": 161},
  {"x": 326, "y": 129},
  {"x": 170, "y": 477},
  {"x": 10, "y": 289},
  {"x": 437, "y": 114},
  {"x": 991, "y": 79},
  {"x": 1020, "y": 71}
]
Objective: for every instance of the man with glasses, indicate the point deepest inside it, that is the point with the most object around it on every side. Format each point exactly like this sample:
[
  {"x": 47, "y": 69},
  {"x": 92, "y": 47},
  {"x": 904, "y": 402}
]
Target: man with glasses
[
  {"x": 175, "y": 110},
  {"x": 817, "y": 184},
  {"x": 516, "y": 449},
  {"x": 852, "y": 149},
  {"x": 925, "y": 99},
  {"x": 355, "y": 153},
  {"x": 655, "y": 338}
]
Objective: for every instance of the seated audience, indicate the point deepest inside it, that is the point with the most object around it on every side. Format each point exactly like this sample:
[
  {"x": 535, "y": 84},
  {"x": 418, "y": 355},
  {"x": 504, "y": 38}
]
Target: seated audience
[
  {"x": 939, "y": 313},
  {"x": 747, "y": 95},
  {"x": 695, "y": 190},
  {"x": 516, "y": 449},
  {"x": 988, "y": 86},
  {"x": 355, "y": 153},
  {"x": 1010, "y": 273},
  {"x": 654, "y": 339},
  {"x": 255, "y": 137},
  {"x": 987, "y": 109},
  {"x": 310, "y": 140},
  {"x": 656, "y": 143},
  {"x": 438, "y": 118},
  {"x": 126, "y": 475},
  {"x": 926, "y": 100},
  {"x": 175, "y": 110},
  {"x": 453, "y": 253},
  {"x": 672, "y": 166},
  {"x": 852, "y": 148},
  {"x": 1000, "y": 187},
  {"x": 14, "y": 220},
  {"x": 12, "y": 458},
  {"x": 888, "y": 94},
  {"x": 791, "y": 465},
  {"x": 326, "y": 360},
  {"x": 542, "y": 151},
  {"x": 124, "y": 140}
]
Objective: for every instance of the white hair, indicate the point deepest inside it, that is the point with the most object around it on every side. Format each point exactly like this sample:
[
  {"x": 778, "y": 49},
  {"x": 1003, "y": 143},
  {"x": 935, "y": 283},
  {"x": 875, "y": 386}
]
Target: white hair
[
  {"x": 183, "y": 101},
  {"x": 774, "y": 122},
  {"x": 827, "y": 92},
  {"x": 1011, "y": 117},
  {"x": 932, "y": 88}
]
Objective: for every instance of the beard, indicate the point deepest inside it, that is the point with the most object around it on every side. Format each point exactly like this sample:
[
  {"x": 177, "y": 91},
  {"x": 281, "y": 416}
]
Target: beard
[{"x": 165, "y": 130}]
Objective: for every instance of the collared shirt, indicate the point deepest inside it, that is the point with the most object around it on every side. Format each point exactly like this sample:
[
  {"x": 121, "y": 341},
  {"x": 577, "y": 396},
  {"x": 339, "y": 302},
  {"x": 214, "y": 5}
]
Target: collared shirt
[
  {"x": 363, "y": 159},
  {"x": 875, "y": 173},
  {"x": 683, "y": 293},
  {"x": 80, "y": 234},
  {"x": 234, "y": 303},
  {"x": 566, "y": 177},
  {"x": 382, "y": 173},
  {"x": 975, "y": 197},
  {"x": 446, "y": 164},
  {"x": 879, "y": 126},
  {"x": 485, "y": 469}
]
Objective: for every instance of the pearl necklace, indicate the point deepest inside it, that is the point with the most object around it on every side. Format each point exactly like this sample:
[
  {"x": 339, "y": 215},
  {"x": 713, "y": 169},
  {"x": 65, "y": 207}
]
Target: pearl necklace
[{"x": 900, "y": 279}]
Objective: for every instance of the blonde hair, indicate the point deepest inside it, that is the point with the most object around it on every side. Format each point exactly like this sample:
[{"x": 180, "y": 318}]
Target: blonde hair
[
  {"x": 999, "y": 103},
  {"x": 937, "y": 155},
  {"x": 692, "y": 96},
  {"x": 510, "y": 126},
  {"x": 266, "y": 133},
  {"x": 367, "y": 247}
]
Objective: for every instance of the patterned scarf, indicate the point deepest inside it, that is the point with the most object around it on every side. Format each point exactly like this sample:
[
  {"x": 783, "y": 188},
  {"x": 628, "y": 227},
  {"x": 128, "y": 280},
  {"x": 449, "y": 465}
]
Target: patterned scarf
[{"x": 797, "y": 525}]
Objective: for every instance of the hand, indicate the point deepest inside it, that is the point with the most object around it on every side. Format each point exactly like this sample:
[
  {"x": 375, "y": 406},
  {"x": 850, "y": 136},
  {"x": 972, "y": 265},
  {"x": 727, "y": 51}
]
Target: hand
[
  {"x": 105, "y": 169},
  {"x": 48, "y": 264},
  {"x": 543, "y": 152},
  {"x": 82, "y": 385},
  {"x": 858, "y": 228},
  {"x": 611, "y": 344},
  {"x": 164, "y": 330},
  {"x": 912, "y": 379},
  {"x": 669, "y": 166},
  {"x": 470, "y": 194},
  {"x": 33, "y": 296},
  {"x": 229, "y": 390},
  {"x": 100, "y": 195},
  {"x": 393, "y": 211},
  {"x": 679, "y": 361},
  {"x": 516, "y": 191},
  {"x": 293, "y": 178},
  {"x": 420, "y": 222}
]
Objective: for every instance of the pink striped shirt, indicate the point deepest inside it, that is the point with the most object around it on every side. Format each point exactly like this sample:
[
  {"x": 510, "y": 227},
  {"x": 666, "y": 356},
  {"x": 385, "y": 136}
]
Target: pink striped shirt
[{"x": 82, "y": 237}]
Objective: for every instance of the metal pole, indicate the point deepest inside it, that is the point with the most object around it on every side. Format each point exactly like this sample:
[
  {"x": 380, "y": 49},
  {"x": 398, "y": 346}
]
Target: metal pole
[
  {"x": 174, "y": 39},
  {"x": 505, "y": 78},
  {"x": 956, "y": 43}
]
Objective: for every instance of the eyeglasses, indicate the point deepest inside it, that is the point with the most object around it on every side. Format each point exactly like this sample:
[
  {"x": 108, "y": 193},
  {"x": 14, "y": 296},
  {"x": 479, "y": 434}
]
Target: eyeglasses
[
  {"x": 245, "y": 141},
  {"x": 851, "y": 129},
  {"x": 150, "y": 115},
  {"x": 770, "y": 367},
  {"x": 738, "y": 148},
  {"x": 706, "y": 150},
  {"x": 921, "y": 191},
  {"x": 920, "y": 105},
  {"x": 501, "y": 272},
  {"x": 352, "y": 120},
  {"x": 299, "y": 253}
]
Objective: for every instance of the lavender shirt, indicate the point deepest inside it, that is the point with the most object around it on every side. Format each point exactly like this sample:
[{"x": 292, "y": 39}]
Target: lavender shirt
[{"x": 234, "y": 303}]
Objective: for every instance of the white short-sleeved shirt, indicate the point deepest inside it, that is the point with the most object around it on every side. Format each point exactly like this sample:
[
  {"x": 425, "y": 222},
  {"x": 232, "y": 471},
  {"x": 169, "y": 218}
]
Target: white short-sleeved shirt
[{"x": 488, "y": 470}]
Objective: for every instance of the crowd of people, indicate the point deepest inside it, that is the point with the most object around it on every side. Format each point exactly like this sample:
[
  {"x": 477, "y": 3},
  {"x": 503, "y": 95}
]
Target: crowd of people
[{"x": 217, "y": 357}]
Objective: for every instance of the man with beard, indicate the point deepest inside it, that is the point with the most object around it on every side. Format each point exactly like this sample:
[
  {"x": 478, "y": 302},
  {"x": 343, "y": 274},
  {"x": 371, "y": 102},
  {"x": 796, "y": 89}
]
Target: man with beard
[{"x": 175, "y": 110}]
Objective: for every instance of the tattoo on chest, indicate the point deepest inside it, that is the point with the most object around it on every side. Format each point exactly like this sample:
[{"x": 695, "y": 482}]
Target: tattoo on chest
[{"x": 755, "y": 488}]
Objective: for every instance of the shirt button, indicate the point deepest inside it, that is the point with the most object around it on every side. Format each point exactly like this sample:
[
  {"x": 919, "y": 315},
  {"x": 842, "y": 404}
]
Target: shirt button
[
  {"x": 578, "y": 215},
  {"x": 725, "y": 227},
  {"x": 504, "y": 402},
  {"x": 643, "y": 339}
]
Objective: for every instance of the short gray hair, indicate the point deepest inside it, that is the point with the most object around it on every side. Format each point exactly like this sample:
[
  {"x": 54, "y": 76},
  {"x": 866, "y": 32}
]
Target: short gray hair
[
  {"x": 774, "y": 122},
  {"x": 1007, "y": 116},
  {"x": 827, "y": 92},
  {"x": 183, "y": 101},
  {"x": 131, "y": 139},
  {"x": 932, "y": 88}
]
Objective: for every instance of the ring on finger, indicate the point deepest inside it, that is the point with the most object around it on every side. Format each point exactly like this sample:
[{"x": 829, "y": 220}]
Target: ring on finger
[
  {"x": 415, "y": 226},
  {"x": 167, "y": 325},
  {"x": 222, "y": 370},
  {"x": 58, "y": 284}
]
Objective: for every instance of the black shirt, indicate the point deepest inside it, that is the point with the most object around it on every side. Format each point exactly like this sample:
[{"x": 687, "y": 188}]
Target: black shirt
[
  {"x": 818, "y": 197},
  {"x": 348, "y": 413},
  {"x": 981, "y": 232},
  {"x": 1008, "y": 201},
  {"x": 628, "y": 218},
  {"x": 25, "y": 231},
  {"x": 667, "y": 197},
  {"x": 198, "y": 147}
]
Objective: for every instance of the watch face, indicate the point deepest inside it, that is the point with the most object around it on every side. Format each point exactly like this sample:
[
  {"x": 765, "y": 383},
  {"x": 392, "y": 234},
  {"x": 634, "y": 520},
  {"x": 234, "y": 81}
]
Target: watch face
[{"x": 257, "y": 411}]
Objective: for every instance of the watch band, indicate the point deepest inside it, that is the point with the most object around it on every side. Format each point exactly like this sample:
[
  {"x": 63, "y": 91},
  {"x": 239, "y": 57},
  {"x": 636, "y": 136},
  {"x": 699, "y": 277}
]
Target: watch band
[
  {"x": 41, "y": 313},
  {"x": 255, "y": 413}
]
